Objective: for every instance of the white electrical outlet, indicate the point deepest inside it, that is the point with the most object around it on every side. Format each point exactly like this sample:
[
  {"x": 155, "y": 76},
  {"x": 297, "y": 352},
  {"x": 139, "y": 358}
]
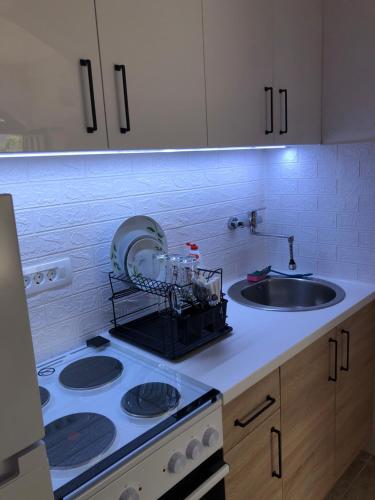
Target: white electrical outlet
[{"x": 47, "y": 275}]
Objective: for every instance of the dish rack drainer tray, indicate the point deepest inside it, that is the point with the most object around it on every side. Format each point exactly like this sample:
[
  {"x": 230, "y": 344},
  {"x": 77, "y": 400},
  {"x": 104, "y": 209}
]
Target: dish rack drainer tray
[{"x": 162, "y": 328}]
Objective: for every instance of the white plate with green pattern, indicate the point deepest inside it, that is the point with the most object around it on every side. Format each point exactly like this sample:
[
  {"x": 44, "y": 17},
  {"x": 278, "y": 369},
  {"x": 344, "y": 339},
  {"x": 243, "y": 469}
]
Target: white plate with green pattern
[
  {"x": 141, "y": 260},
  {"x": 131, "y": 230}
]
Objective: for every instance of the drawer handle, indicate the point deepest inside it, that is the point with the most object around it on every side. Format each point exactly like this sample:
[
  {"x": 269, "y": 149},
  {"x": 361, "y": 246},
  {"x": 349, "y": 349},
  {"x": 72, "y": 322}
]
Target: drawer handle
[
  {"x": 86, "y": 63},
  {"x": 120, "y": 70},
  {"x": 285, "y": 129},
  {"x": 258, "y": 411},
  {"x": 346, "y": 368},
  {"x": 334, "y": 378},
  {"x": 270, "y": 90},
  {"x": 278, "y": 473}
]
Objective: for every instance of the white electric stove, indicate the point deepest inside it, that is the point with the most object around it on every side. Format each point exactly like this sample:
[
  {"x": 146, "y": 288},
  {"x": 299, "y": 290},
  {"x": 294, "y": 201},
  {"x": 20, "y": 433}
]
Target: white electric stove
[{"x": 120, "y": 426}]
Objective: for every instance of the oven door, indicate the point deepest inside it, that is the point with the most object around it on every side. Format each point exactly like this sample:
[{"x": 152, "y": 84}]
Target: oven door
[{"x": 206, "y": 482}]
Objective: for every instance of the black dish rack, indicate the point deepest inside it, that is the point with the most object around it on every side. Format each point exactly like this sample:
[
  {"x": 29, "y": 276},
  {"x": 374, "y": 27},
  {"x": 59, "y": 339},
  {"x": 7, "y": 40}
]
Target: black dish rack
[{"x": 176, "y": 324}]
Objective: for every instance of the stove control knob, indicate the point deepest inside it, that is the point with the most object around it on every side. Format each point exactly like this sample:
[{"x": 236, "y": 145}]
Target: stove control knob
[
  {"x": 129, "y": 494},
  {"x": 210, "y": 437},
  {"x": 194, "y": 449},
  {"x": 176, "y": 463}
]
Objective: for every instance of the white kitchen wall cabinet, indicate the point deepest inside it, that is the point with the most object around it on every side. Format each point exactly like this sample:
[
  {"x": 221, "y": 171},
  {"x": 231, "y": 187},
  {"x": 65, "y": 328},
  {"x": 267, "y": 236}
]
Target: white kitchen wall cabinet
[
  {"x": 153, "y": 73},
  {"x": 238, "y": 60},
  {"x": 349, "y": 77},
  {"x": 298, "y": 71},
  {"x": 48, "y": 100},
  {"x": 263, "y": 71}
]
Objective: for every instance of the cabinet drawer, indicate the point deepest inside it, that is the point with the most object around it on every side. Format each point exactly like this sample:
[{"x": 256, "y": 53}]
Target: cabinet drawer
[{"x": 247, "y": 411}]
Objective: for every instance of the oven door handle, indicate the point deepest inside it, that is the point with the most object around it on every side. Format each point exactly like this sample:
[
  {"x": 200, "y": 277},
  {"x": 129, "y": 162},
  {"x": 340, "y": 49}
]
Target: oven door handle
[{"x": 209, "y": 483}]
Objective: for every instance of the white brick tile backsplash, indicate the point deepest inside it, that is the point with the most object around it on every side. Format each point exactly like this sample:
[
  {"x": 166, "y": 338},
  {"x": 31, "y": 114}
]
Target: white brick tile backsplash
[
  {"x": 317, "y": 251},
  {"x": 296, "y": 202},
  {"x": 321, "y": 153},
  {"x": 72, "y": 306},
  {"x": 368, "y": 168},
  {"x": 338, "y": 203},
  {"x": 287, "y": 155},
  {"x": 303, "y": 233},
  {"x": 337, "y": 169},
  {"x": 290, "y": 170},
  {"x": 317, "y": 186},
  {"x": 357, "y": 255},
  {"x": 318, "y": 219},
  {"x": 339, "y": 237},
  {"x": 337, "y": 208},
  {"x": 367, "y": 239},
  {"x": 280, "y": 217},
  {"x": 366, "y": 273},
  {"x": 281, "y": 186},
  {"x": 337, "y": 269},
  {"x": 71, "y": 206},
  {"x": 367, "y": 203}
]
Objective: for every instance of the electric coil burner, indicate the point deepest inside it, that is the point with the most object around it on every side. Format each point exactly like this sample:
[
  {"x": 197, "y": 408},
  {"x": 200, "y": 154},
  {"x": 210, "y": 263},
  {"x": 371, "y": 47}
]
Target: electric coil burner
[
  {"x": 76, "y": 439},
  {"x": 110, "y": 410},
  {"x": 150, "y": 400},
  {"x": 44, "y": 396},
  {"x": 91, "y": 373}
]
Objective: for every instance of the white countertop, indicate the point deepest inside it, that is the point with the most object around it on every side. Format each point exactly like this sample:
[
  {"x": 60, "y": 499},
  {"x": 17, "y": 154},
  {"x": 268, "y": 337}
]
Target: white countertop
[{"x": 264, "y": 340}]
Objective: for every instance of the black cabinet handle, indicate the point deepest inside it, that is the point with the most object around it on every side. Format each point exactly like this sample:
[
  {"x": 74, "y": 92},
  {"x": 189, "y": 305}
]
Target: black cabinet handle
[
  {"x": 270, "y": 90},
  {"x": 285, "y": 129},
  {"x": 277, "y": 473},
  {"x": 258, "y": 411},
  {"x": 121, "y": 68},
  {"x": 346, "y": 367},
  {"x": 94, "y": 127},
  {"x": 334, "y": 378}
]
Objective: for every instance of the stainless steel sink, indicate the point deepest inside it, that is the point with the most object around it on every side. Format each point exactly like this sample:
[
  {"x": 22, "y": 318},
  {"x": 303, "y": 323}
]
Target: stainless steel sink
[{"x": 287, "y": 294}]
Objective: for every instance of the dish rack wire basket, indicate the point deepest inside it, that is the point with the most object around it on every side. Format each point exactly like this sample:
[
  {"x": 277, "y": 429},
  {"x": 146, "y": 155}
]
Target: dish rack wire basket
[{"x": 173, "y": 325}]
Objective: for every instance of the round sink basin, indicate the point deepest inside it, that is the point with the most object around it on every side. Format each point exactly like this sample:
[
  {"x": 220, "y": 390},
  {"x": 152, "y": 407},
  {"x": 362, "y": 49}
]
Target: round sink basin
[{"x": 287, "y": 294}]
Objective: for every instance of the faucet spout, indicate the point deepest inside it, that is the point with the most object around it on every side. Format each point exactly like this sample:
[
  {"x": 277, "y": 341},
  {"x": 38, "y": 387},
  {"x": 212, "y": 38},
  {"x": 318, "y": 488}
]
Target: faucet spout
[
  {"x": 292, "y": 262},
  {"x": 253, "y": 229}
]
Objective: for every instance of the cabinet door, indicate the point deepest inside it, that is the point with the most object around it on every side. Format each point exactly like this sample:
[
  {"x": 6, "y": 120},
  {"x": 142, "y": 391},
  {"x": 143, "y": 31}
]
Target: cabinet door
[
  {"x": 297, "y": 71},
  {"x": 45, "y": 99},
  {"x": 308, "y": 421},
  {"x": 238, "y": 64},
  {"x": 158, "y": 50},
  {"x": 354, "y": 393},
  {"x": 349, "y": 75},
  {"x": 254, "y": 464}
]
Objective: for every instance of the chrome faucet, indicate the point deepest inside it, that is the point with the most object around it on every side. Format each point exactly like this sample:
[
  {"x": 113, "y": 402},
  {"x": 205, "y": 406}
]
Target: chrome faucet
[{"x": 253, "y": 229}]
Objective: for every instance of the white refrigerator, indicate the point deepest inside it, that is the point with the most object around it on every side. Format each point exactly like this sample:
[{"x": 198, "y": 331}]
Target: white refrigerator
[{"x": 24, "y": 471}]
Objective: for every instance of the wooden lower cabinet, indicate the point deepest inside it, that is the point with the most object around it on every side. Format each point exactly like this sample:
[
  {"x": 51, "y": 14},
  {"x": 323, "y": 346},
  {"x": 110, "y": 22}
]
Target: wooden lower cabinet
[
  {"x": 355, "y": 385},
  {"x": 308, "y": 421},
  {"x": 323, "y": 408},
  {"x": 254, "y": 464}
]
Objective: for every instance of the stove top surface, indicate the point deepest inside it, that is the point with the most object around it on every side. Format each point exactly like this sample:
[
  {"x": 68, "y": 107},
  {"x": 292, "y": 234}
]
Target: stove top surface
[{"x": 106, "y": 404}]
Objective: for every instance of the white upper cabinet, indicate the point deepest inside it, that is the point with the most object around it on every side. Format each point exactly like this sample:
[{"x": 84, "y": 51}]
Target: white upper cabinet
[
  {"x": 263, "y": 71},
  {"x": 349, "y": 75},
  {"x": 48, "y": 101},
  {"x": 141, "y": 74},
  {"x": 297, "y": 71},
  {"x": 153, "y": 73},
  {"x": 238, "y": 59}
]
